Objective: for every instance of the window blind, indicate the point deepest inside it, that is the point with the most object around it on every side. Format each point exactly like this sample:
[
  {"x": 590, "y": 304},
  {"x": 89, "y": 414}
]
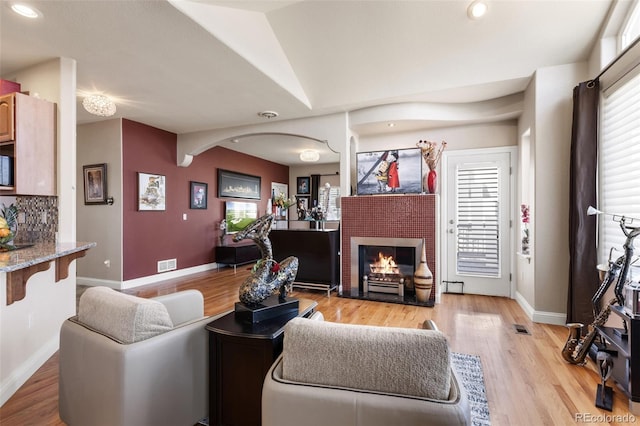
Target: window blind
[
  {"x": 619, "y": 162},
  {"x": 478, "y": 221}
]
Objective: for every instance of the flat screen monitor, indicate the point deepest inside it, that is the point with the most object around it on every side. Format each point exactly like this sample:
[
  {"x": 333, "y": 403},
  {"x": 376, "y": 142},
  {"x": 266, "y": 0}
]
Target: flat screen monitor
[{"x": 239, "y": 215}]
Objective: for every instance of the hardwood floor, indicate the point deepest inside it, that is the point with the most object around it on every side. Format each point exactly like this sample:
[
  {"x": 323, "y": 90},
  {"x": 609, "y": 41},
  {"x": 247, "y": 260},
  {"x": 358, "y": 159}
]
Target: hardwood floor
[{"x": 527, "y": 381}]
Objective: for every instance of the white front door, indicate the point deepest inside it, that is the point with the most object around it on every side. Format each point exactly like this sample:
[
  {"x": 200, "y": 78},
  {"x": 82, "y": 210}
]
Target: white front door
[{"x": 476, "y": 220}]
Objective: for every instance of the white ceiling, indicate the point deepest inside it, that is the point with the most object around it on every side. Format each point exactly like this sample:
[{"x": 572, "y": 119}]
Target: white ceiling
[{"x": 186, "y": 66}]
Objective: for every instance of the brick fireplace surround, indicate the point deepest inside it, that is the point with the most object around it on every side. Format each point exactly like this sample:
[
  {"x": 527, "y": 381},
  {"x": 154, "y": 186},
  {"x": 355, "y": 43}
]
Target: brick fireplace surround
[{"x": 388, "y": 216}]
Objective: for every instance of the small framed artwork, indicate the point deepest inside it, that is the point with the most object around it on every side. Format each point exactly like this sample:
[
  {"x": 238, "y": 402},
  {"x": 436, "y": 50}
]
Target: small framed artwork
[
  {"x": 151, "y": 192},
  {"x": 302, "y": 202},
  {"x": 95, "y": 183},
  {"x": 198, "y": 195},
  {"x": 304, "y": 185},
  {"x": 238, "y": 185},
  {"x": 386, "y": 172}
]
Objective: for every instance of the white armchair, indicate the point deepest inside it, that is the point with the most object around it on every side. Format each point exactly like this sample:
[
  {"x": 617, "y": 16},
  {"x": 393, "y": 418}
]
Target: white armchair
[
  {"x": 344, "y": 374},
  {"x": 125, "y": 360}
]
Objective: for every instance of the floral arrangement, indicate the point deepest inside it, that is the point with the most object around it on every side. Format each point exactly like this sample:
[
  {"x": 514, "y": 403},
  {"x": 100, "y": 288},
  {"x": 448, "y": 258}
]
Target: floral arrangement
[
  {"x": 282, "y": 202},
  {"x": 431, "y": 152},
  {"x": 524, "y": 210}
]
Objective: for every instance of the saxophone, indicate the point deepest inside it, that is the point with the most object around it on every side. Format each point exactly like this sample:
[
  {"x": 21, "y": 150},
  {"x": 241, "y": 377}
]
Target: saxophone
[{"x": 576, "y": 348}]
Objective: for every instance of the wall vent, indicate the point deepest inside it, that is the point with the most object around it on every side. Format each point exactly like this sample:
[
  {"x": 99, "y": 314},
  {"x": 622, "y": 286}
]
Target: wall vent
[{"x": 167, "y": 265}]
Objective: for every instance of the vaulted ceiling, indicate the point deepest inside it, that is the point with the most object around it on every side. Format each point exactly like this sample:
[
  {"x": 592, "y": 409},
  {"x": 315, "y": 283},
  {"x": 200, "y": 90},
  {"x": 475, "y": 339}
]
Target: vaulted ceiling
[{"x": 190, "y": 65}]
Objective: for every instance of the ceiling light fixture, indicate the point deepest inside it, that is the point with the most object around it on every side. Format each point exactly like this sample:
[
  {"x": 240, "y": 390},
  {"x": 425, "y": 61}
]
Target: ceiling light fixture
[
  {"x": 391, "y": 124},
  {"x": 100, "y": 105},
  {"x": 477, "y": 9},
  {"x": 268, "y": 114},
  {"x": 26, "y": 11},
  {"x": 309, "y": 155}
]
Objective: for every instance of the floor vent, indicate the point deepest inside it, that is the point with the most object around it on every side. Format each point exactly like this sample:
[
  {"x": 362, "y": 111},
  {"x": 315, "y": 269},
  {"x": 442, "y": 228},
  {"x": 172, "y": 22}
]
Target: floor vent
[
  {"x": 521, "y": 329},
  {"x": 167, "y": 265}
]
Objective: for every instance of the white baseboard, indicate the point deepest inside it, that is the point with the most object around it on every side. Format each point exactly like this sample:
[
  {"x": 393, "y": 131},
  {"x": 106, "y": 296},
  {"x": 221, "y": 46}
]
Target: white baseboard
[
  {"x": 151, "y": 279},
  {"x": 20, "y": 375},
  {"x": 555, "y": 318}
]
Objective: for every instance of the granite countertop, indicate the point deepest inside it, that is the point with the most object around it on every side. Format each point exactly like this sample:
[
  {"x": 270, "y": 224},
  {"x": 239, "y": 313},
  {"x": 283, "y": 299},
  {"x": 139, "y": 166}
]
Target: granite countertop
[{"x": 38, "y": 253}]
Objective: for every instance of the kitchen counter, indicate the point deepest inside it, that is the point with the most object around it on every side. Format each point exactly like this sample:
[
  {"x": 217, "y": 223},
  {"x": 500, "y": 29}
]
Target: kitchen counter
[{"x": 20, "y": 265}]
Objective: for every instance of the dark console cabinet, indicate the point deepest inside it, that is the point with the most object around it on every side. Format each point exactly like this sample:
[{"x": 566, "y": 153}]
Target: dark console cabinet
[
  {"x": 318, "y": 252},
  {"x": 626, "y": 356},
  {"x": 237, "y": 255}
]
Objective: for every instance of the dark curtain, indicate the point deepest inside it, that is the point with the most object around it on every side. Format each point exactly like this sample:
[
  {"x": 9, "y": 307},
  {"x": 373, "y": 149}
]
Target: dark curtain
[
  {"x": 583, "y": 276},
  {"x": 315, "y": 185}
]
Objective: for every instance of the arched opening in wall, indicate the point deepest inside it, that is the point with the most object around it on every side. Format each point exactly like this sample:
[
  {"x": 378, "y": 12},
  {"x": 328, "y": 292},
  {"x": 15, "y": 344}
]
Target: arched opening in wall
[
  {"x": 283, "y": 148},
  {"x": 311, "y": 161}
]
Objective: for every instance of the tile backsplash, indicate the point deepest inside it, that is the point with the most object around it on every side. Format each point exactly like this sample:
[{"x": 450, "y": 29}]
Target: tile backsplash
[{"x": 37, "y": 219}]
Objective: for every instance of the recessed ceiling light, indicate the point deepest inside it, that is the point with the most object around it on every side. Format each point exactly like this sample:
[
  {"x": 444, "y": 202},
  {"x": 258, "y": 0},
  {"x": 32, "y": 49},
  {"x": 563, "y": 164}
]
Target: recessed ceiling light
[
  {"x": 391, "y": 124},
  {"x": 235, "y": 140},
  {"x": 477, "y": 9},
  {"x": 268, "y": 114},
  {"x": 26, "y": 11}
]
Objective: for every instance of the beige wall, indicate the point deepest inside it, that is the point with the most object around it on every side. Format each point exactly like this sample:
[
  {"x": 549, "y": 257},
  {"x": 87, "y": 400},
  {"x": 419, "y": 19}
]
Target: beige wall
[
  {"x": 554, "y": 106},
  {"x": 29, "y": 327},
  {"x": 101, "y": 142},
  {"x": 525, "y": 269},
  {"x": 542, "y": 282},
  {"x": 472, "y": 136}
]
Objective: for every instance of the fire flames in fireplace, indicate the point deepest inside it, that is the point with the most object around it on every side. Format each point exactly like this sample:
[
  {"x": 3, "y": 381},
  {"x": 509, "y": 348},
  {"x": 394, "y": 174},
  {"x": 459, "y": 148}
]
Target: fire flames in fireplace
[
  {"x": 384, "y": 265},
  {"x": 384, "y": 276}
]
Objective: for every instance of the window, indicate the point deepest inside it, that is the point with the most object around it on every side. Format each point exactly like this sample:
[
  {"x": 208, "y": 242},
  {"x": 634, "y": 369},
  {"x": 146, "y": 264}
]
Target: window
[
  {"x": 631, "y": 28},
  {"x": 619, "y": 159},
  {"x": 478, "y": 201}
]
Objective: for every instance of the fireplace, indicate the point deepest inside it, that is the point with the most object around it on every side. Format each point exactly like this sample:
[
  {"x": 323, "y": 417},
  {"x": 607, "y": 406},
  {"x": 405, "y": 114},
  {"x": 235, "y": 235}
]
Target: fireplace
[
  {"x": 385, "y": 268},
  {"x": 387, "y": 221}
]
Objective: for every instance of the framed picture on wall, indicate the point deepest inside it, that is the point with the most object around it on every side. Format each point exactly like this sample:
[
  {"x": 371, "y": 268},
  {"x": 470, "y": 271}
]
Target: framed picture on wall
[
  {"x": 304, "y": 185},
  {"x": 396, "y": 171},
  {"x": 238, "y": 185},
  {"x": 198, "y": 195},
  {"x": 95, "y": 183},
  {"x": 151, "y": 192}
]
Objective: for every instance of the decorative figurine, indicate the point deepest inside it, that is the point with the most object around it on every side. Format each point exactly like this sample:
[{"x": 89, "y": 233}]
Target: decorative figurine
[
  {"x": 604, "y": 395},
  {"x": 268, "y": 276}
]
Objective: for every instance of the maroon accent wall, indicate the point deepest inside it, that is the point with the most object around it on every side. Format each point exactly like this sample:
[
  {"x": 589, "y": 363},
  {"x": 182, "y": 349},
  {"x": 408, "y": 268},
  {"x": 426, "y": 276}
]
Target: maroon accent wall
[
  {"x": 150, "y": 236},
  {"x": 392, "y": 216}
]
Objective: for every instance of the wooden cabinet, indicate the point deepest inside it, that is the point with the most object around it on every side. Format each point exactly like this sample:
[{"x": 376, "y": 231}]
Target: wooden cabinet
[
  {"x": 7, "y": 129},
  {"x": 28, "y": 139},
  {"x": 318, "y": 252}
]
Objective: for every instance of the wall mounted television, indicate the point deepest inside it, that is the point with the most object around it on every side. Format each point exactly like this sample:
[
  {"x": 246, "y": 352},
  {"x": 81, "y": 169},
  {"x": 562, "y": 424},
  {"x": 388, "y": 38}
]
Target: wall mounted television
[{"x": 239, "y": 215}]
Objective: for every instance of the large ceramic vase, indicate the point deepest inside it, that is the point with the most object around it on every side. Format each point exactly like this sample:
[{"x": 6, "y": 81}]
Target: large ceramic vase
[{"x": 423, "y": 278}]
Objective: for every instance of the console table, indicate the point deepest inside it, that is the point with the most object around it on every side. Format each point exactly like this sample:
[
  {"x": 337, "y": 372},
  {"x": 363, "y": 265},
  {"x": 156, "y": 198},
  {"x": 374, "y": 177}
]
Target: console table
[
  {"x": 626, "y": 356},
  {"x": 237, "y": 254},
  {"x": 317, "y": 250},
  {"x": 240, "y": 354}
]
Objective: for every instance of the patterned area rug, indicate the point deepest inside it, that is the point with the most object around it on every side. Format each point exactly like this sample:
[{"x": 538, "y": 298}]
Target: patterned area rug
[{"x": 470, "y": 370}]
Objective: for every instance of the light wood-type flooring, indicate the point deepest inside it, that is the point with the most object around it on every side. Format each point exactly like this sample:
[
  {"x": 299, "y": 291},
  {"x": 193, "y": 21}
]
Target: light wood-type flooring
[{"x": 527, "y": 381}]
